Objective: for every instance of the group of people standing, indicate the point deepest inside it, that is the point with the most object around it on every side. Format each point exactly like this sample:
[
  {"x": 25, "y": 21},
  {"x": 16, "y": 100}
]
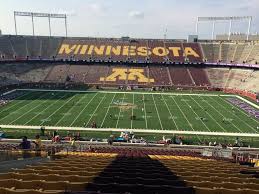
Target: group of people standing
[{"x": 26, "y": 144}]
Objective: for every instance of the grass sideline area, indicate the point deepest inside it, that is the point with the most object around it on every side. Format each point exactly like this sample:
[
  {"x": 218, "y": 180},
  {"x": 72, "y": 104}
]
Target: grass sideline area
[
  {"x": 187, "y": 139},
  {"x": 187, "y": 111}
]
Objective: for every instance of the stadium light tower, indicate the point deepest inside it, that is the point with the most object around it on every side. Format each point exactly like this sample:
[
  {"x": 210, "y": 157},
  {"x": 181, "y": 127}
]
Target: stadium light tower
[
  {"x": 41, "y": 15},
  {"x": 220, "y": 19}
]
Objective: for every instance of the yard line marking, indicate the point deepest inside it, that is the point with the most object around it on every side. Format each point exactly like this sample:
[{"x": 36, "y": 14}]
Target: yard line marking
[
  {"x": 132, "y": 113},
  {"x": 120, "y": 112},
  {"x": 186, "y": 118},
  {"x": 197, "y": 116},
  {"x": 234, "y": 114},
  {"x": 157, "y": 113},
  {"x": 30, "y": 110},
  {"x": 169, "y": 112},
  {"x": 8, "y": 107},
  {"x": 208, "y": 114},
  {"x": 45, "y": 109},
  {"x": 107, "y": 111},
  {"x": 24, "y": 106},
  {"x": 83, "y": 97},
  {"x": 58, "y": 109},
  {"x": 83, "y": 109},
  {"x": 224, "y": 116},
  {"x": 96, "y": 109},
  {"x": 145, "y": 109}
]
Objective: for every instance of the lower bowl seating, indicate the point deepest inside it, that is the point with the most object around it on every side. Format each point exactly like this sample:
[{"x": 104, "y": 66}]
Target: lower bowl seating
[{"x": 149, "y": 172}]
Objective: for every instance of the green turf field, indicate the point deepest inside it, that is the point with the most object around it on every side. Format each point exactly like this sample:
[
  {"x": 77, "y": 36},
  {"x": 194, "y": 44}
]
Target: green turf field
[{"x": 114, "y": 110}]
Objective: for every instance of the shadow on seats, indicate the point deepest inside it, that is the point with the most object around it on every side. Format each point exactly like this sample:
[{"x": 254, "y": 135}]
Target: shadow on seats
[{"x": 138, "y": 175}]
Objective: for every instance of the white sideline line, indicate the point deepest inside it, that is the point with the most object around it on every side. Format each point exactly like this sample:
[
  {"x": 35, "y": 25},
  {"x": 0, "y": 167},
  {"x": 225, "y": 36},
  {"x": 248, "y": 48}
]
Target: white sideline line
[
  {"x": 24, "y": 106},
  {"x": 208, "y": 114},
  {"x": 248, "y": 102},
  {"x": 58, "y": 109},
  {"x": 107, "y": 111},
  {"x": 96, "y": 109},
  {"x": 83, "y": 97},
  {"x": 9, "y": 92},
  {"x": 134, "y": 130},
  {"x": 83, "y": 109},
  {"x": 30, "y": 110},
  {"x": 170, "y": 112},
  {"x": 50, "y": 105},
  {"x": 119, "y": 92},
  {"x": 157, "y": 113},
  {"x": 145, "y": 109},
  {"x": 120, "y": 112},
  {"x": 243, "y": 111},
  {"x": 233, "y": 113}
]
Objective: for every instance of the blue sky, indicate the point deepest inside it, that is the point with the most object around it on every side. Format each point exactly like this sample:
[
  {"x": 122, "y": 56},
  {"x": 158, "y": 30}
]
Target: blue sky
[{"x": 134, "y": 18}]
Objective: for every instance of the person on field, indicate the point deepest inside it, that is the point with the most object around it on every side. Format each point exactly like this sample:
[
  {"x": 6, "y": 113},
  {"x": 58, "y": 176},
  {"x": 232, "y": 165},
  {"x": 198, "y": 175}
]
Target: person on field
[{"x": 94, "y": 124}]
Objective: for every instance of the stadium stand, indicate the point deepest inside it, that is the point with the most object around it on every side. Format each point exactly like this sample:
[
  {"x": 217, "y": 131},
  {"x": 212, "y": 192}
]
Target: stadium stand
[
  {"x": 23, "y": 73},
  {"x": 6, "y": 48},
  {"x": 218, "y": 76},
  {"x": 58, "y": 73},
  {"x": 160, "y": 74},
  {"x": 237, "y": 77},
  {"x": 211, "y": 51},
  {"x": 129, "y": 62},
  {"x": 99, "y": 61},
  {"x": 134, "y": 170},
  {"x": 180, "y": 76},
  {"x": 101, "y": 49},
  {"x": 238, "y": 53},
  {"x": 199, "y": 76}
]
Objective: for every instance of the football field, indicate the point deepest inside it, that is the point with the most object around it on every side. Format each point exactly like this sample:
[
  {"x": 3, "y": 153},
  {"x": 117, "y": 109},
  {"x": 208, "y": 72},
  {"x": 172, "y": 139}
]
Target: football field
[{"x": 128, "y": 110}]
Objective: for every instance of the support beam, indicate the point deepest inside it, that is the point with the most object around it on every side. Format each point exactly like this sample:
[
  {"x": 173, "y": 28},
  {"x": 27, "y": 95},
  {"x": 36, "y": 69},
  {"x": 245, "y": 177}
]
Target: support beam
[
  {"x": 66, "y": 24},
  {"x": 224, "y": 19},
  {"x": 15, "y": 26},
  {"x": 197, "y": 27},
  {"x": 41, "y": 15},
  {"x": 49, "y": 27},
  {"x": 213, "y": 30},
  {"x": 32, "y": 21},
  {"x": 249, "y": 28},
  {"x": 230, "y": 29}
]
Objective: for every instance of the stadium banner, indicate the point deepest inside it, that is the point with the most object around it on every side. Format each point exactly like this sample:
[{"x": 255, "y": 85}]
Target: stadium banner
[{"x": 156, "y": 51}]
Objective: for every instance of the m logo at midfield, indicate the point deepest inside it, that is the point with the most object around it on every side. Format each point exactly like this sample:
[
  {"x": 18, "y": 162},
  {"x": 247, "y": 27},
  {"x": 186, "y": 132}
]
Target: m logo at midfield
[{"x": 125, "y": 74}]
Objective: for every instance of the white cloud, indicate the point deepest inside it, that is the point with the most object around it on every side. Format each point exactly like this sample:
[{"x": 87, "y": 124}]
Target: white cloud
[
  {"x": 97, "y": 8},
  {"x": 136, "y": 14},
  {"x": 63, "y": 11}
]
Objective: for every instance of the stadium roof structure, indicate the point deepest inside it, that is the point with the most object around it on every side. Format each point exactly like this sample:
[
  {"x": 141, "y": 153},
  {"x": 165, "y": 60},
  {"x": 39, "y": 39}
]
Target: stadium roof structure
[
  {"x": 230, "y": 19},
  {"x": 46, "y": 15}
]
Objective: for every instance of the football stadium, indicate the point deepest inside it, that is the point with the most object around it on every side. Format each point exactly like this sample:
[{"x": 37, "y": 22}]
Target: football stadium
[{"x": 85, "y": 115}]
